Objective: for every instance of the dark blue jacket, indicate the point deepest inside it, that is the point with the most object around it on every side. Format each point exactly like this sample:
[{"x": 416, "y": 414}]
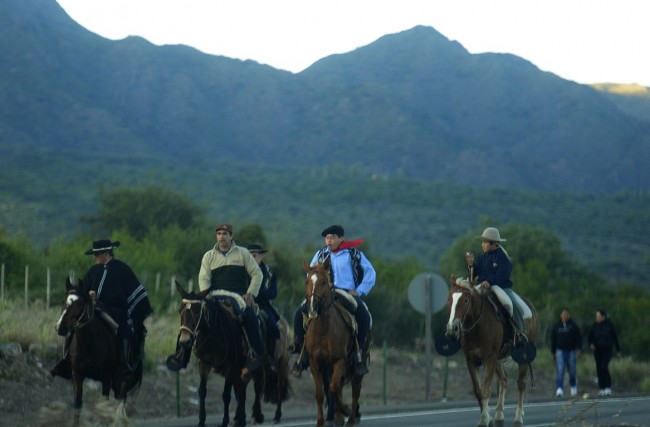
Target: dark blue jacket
[{"x": 495, "y": 267}]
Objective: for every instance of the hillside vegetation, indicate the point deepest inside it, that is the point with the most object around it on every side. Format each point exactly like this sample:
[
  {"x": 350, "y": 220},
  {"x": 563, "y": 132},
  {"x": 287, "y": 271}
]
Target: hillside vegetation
[{"x": 171, "y": 247}]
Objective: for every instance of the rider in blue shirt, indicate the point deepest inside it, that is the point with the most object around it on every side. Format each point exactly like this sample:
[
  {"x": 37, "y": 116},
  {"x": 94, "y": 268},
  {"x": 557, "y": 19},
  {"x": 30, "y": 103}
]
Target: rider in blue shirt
[{"x": 350, "y": 271}]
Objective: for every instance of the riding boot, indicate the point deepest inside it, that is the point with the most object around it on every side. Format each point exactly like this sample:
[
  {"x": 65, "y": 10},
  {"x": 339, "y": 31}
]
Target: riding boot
[
  {"x": 125, "y": 355},
  {"x": 63, "y": 368},
  {"x": 363, "y": 324},
  {"x": 252, "y": 331},
  {"x": 272, "y": 366},
  {"x": 520, "y": 327},
  {"x": 181, "y": 358},
  {"x": 302, "y": 362},
  {"x": 298, "y": 331}
]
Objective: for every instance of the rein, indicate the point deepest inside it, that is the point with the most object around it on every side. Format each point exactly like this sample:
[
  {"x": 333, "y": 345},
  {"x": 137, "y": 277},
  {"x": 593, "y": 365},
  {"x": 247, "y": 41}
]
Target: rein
[
  {"x": 478, "y": 319},
  {"x": 89, "y": 313}
]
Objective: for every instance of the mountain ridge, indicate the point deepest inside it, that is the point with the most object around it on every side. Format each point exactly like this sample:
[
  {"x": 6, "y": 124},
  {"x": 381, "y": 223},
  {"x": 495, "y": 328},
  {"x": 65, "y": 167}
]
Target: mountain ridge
[{"x": 410, "y": 104}]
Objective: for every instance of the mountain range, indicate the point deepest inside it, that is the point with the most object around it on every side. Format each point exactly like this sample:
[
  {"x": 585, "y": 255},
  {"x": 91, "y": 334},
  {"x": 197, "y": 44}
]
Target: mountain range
[{"x": 412, "y": 104}]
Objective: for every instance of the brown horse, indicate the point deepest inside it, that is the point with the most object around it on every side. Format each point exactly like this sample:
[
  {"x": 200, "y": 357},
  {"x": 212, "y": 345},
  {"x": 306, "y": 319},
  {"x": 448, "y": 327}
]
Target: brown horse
[
  {"x": 331, "y": 346},
  {"x": 487, "y": 339},
  {"x": 220, "y": 345},
  {"x": 93, "y": 349}
]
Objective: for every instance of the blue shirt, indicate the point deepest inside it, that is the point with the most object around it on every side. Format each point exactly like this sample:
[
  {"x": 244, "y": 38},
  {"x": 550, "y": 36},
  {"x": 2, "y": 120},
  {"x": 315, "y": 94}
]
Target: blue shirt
[{"x": 342, "y": 271}]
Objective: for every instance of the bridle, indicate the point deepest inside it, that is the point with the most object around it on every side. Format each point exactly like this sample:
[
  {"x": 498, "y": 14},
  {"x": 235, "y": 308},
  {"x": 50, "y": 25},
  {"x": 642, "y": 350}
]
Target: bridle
[
  {"x": 478, "y": 319},
  {"x": 316, "y": 300},
  {"x": 188, "y": 308},
  {"x": 88, "y": 313}
]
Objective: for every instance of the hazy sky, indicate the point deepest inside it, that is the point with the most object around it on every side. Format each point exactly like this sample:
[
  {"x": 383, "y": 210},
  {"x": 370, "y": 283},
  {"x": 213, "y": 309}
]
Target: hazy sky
[{"x": 587, "y": 41}]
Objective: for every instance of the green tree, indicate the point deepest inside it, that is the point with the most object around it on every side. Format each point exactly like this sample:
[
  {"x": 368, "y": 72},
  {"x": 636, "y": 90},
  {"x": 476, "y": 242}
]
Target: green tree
[{"x": 137, "y": 210}]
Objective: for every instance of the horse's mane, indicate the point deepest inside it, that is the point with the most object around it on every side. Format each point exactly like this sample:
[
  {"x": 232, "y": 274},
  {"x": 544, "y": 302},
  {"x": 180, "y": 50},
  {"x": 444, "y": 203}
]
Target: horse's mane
[{"x": 464, "y": 283}]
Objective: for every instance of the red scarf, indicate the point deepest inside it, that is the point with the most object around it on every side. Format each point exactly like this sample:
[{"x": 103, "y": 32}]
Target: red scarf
[{"x": 346, "y": 245}]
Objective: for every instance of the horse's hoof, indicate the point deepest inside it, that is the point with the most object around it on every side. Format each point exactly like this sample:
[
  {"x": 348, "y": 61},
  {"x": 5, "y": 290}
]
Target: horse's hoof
[
  {"x": 517, "y": 424},
  {"x": 498, "y": 423}
]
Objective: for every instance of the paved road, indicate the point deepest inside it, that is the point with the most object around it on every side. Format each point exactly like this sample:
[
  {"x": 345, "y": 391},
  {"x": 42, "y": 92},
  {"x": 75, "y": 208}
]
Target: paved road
[{"x": 629, "y": 410}]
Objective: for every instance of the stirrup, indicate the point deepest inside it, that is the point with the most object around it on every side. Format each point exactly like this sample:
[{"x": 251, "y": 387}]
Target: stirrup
[
  {"x": 297, "y": 368},
  {"x": 520, "y": 339}
]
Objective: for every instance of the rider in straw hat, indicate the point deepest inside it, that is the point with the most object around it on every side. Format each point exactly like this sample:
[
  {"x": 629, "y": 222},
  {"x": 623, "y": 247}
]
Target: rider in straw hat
[{"x": 493, "y": 267}]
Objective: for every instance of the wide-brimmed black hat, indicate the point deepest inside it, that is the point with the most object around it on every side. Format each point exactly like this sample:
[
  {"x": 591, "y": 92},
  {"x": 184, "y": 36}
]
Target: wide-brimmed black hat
[
  {"x": 256, "y": 248},
  {"x": 333, "y": 229},
  {"x": 102, "y": 246}
]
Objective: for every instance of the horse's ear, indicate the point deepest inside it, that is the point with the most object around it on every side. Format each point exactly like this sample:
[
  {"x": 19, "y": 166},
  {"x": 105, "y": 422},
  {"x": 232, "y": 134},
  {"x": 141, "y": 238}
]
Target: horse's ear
[
  {"x": 452, "y": 280},
  {"x": 305, "y": 266},
  {"x": 180, "y": 290},
  {"x": 327, "y": 264},
  {"x": 204, "y": 293},
  {"x": 80, "y": 284}
]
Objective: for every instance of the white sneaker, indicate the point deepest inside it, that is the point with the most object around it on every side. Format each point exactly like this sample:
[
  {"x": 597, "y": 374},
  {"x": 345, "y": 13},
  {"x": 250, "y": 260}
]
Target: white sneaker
[
  {"x": 574, "y": 391},
  {"x": 608, "y": 391},
  {"x": 559, "y": 392}
]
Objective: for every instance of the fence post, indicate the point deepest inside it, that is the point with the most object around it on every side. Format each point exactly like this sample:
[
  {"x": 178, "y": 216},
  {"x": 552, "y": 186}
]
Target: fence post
[
  {"x": 157, "y": 281},
  {"x": 27, "y": 285},
  {"x": 191, "y": 284},
  {"x": 2, "y": 283},
  {"x": 173, "y": 285},
  {"x": 49, "y": 286}
]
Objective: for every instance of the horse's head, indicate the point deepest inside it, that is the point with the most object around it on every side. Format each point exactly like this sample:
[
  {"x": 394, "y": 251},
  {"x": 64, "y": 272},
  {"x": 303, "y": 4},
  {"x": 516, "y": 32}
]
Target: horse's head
[
  {"x": 460, "y": 305},
  {"x": 192, "y": 310},
  {"x": 318, "y": 287},
  {"x": 75, "y": 305}
]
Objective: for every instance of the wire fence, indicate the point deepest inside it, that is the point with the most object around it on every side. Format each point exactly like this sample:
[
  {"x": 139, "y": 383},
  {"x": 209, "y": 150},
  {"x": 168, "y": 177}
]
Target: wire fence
[{"x": 32, "y": 291}]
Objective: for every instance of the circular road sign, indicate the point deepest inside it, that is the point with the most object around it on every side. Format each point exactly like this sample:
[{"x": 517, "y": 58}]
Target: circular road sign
[{"x": 438, "y": 293}]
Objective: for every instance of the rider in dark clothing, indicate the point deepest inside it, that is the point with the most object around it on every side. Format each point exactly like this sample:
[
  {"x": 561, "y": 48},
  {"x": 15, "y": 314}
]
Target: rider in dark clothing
[
  {"x": 118, "y": 292},
  {"x": 268, "y": 291}
]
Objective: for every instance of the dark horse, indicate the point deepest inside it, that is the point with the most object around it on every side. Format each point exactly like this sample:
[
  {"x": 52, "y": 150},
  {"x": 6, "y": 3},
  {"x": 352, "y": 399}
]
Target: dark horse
[
  {"x": 219, "y": 344},
  {"x": 486, "y": 339},
  {"x": 331, "y": 346},
  {"x": 93, "y": 350}
]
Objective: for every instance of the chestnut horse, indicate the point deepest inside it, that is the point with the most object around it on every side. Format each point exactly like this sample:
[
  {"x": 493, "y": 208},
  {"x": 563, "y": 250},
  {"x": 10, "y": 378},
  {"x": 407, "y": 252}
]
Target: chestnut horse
[
  {"x": 220, "y": 345},
  {"x": 486, "y": 339},
  {"x": 331, "y": 346},
  {"x": 93, "y": 350}
]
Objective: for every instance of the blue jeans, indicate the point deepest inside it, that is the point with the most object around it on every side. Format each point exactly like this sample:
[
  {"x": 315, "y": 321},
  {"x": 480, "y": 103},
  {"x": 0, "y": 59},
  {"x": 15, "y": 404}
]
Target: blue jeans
[{"x": 565, "y": 358}]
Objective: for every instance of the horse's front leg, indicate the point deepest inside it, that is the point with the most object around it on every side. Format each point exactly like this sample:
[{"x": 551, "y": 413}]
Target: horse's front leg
[
  {"x": 203, "y": 391},
  {"x": 521, "y": 390},
  {"x": 319, "y": 392},
  {"x": 356, "y": 392},
  {"x": 486, "y": 389},
  {"x": 502, "y": 378},
  {"x": 336, "y": 390},
  {"x": 484, "y": 419},
  {"x": 226, "y": 396},
  {"x": 77, "y": 391},
  {"x": 258, "y": 385},
  {"x": 106, "y": 388},
  {"x": 240, "y": 396}
]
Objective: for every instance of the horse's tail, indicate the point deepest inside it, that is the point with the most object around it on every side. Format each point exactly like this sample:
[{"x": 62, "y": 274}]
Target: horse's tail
[{"x": 276, "y": 384}]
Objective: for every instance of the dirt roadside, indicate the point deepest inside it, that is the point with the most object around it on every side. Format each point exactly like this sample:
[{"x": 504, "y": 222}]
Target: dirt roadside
[{"x": 29, "y": 396}]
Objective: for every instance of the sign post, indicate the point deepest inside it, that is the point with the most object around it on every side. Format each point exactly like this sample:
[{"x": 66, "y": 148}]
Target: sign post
[{"x": 427, "y": 294}]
